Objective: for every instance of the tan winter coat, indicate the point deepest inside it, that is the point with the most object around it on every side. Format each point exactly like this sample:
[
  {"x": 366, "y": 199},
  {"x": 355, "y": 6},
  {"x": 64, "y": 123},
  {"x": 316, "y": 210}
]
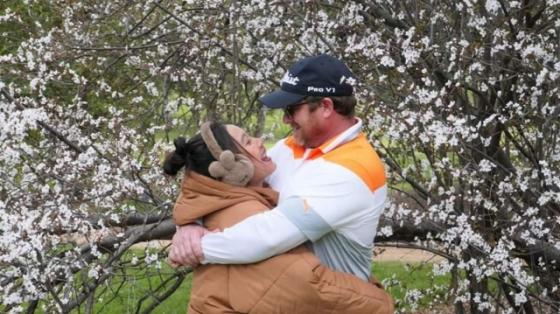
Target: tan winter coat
[{"x": 293, "y": 282}]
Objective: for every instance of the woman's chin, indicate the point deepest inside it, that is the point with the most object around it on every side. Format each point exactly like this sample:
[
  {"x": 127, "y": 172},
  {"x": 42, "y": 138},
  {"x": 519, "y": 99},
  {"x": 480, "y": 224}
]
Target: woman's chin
[
  {"x": 269, "y": 168},
  {"x": 272, "y": 166}
]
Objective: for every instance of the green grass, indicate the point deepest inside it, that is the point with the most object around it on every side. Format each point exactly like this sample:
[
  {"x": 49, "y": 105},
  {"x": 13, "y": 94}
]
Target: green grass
[
  {"x": 124, "y": 293},
  {"x": 400, "y": 278}
]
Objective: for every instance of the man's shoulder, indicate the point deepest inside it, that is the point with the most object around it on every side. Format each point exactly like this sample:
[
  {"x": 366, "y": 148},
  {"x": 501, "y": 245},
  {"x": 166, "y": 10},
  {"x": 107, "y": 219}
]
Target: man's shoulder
[{"x": 359, "y": 157}]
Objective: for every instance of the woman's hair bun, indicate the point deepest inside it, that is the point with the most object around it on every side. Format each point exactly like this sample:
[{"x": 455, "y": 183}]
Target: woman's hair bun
[
  {"x": 178, "y": 159},
  {"x": 181, "y": 146}
]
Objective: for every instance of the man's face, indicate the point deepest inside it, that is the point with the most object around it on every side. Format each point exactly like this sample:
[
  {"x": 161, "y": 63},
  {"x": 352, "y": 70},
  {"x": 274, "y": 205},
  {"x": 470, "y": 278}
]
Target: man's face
[{"x": 305, "y": 121}]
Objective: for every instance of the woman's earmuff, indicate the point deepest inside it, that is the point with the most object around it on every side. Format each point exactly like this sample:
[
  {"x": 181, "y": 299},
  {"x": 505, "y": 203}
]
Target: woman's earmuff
[{"x": 230, "y": 168}]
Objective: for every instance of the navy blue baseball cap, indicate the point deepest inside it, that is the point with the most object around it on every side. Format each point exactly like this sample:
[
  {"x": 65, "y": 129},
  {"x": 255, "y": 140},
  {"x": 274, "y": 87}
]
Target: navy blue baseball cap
[{"x": 321, "y": 75}]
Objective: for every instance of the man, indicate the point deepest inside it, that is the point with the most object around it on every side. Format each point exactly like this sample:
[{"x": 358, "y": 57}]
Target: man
[{"x": 331, "y": 182}]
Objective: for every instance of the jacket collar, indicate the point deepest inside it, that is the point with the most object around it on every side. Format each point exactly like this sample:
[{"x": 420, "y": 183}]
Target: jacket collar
[{"x": 344, "y": 137}]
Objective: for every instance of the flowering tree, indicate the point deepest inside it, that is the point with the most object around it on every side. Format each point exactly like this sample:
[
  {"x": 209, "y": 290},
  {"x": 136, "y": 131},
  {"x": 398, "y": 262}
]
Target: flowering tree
[{"x": 461, "y": 99}]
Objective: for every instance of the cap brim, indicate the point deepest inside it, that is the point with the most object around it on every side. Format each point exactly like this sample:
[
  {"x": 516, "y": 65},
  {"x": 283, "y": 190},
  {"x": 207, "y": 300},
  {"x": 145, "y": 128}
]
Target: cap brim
[{"x": 280, "y": 99}]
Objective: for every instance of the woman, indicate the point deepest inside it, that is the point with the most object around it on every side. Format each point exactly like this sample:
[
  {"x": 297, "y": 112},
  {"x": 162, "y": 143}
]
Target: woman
[{"x": 224, "y": 184}]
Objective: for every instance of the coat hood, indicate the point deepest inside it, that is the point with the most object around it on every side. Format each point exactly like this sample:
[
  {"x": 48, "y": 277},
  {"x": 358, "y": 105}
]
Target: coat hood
[{"x": 201, "y": 195}]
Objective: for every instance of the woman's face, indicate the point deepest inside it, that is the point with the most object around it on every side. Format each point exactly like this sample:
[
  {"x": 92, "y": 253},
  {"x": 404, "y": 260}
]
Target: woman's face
[{"x": 264, "y": 166}]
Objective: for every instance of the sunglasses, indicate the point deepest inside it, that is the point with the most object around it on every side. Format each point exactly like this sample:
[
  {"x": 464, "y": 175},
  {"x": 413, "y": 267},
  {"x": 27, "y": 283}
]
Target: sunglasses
[{"x": 290, "y": 110}]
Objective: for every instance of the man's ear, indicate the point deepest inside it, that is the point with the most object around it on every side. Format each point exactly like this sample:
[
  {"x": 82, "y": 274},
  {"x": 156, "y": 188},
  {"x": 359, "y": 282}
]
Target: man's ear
[{"x": 328, "y": 107}]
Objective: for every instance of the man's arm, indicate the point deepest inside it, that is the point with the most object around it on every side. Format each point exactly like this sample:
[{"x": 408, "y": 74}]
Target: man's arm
[
  {"x": 254, "y": 239},
  {"x": 251, "y": 240},
  {"x": 326, "y": 204},
  {"x": 336, "y": 201}
]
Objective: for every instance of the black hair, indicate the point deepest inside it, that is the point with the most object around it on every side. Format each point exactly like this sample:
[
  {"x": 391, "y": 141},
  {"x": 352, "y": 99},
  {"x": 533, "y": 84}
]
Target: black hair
[
  {"x": 344, "y": 105},
  {"x": 194, "y": 154}
]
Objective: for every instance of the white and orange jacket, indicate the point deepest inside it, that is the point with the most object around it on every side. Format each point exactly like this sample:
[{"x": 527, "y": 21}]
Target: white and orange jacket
[{"x": 331, "y": 196}]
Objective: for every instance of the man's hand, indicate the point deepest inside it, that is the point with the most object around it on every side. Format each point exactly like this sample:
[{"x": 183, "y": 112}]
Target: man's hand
[{"x": 186, "y": 246}]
